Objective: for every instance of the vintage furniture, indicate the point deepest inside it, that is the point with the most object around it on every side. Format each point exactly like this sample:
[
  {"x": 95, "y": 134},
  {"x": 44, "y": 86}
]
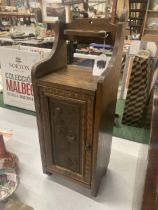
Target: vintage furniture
[
  {"x": 75, "y": 110},
  {"x": 146, "y": 185}
]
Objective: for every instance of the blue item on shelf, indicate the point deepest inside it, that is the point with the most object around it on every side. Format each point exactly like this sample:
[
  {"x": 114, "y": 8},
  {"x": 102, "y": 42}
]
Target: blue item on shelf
[{"x": 104, "y": 46}]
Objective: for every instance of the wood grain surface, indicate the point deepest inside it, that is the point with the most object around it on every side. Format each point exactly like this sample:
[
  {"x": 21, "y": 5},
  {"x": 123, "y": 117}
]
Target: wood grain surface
[{"x": 75, "y": 110}]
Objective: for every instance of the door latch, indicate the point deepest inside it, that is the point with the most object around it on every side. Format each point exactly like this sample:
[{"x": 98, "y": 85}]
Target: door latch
[{"x": 88, "y": 147}]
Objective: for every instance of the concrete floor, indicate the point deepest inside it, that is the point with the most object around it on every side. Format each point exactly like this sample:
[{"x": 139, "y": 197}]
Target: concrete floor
[{"x": 53, "y": 193}]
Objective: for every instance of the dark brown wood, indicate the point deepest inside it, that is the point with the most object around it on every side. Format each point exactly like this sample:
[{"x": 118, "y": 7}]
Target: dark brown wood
[
  {"x": 53, "y": 63},
  {"x": 84, "y": 33},
  {"x": 89, "y": 26},
  {"x": 150, "y": 196},
  {"x": 92, "y": 25},
  {"x": 146, "y": 189},
  {"x": 106, "y": 97},
  {"x": 75, "y": 110},
  {"x": 114, "y": 10}
]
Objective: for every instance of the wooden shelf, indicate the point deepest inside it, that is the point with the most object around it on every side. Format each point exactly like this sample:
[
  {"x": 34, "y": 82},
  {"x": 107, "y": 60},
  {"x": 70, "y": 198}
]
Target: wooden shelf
[
  {"x": 151, "y": 29},
  {"x": 16, "y": 14},
  {"x": 138, "y": 1},
  {"x": 84, "y": 34},
  {"x": 152, "y": 11},
  {"x": 150, "y": 37},
  {"x": 85, "y": 56},
  {"x": 83, "y": 76},
  {"x": 137, "y": 10},
  {"x": 139, "y": 26},
  {"x": 136, "y": 18}
]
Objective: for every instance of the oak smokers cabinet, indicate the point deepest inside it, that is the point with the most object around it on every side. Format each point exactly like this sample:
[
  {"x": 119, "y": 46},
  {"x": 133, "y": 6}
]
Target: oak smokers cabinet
[{"x": 75, "y": 110}]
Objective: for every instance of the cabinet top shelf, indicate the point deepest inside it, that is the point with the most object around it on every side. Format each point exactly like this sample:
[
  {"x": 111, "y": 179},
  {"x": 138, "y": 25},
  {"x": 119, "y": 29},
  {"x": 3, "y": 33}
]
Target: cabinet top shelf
[
  {"x": 84, "y": 33},
  {"x": 72, "y": 76}
]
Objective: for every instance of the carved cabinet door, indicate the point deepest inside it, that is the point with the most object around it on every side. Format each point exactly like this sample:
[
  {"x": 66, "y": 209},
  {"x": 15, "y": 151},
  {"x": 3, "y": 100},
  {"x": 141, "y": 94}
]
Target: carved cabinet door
[{"x": 67, "y": 142}]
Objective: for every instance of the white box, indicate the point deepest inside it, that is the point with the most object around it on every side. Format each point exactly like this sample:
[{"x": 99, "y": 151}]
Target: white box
[{"x": 16, "y": 64}]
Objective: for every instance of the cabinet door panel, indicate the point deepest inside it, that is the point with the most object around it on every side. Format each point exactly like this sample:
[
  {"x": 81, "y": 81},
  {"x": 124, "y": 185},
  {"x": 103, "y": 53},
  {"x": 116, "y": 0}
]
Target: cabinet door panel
[
  {"x": 65, "y": 127},
  {"x": 65, "y": 124}
]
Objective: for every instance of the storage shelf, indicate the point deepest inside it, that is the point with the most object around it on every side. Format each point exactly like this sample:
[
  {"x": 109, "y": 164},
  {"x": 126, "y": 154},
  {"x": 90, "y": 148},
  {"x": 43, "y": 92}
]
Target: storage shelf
[
  {"x": 153, "y": 11},
  {"x": 136, "y": 26},
  {"x": 138, "y": 1},
  {"x": 85, "y": 56},
  {"x": 150, "y": 13},
  {"x": 16, "y": 14},
  {"x": 136, "y": 18},
  {"x": 137, "y": 10},
  {"x": 84, "y": 34},
  {"x": 151, "y": 29}
]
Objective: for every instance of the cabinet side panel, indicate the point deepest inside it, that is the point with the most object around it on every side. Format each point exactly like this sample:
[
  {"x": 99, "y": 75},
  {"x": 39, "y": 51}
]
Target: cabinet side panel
[{"x": 106, "y": 98}]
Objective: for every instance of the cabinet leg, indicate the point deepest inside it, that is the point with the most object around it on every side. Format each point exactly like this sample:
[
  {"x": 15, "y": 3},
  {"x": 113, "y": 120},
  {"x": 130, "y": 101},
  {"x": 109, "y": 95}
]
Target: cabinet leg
[
  {"x": 96, "y": 184},
  {"x": 94, "y": 192},
  {"x": 104, "y": 173},
  {"x": 48, "y": 173}
]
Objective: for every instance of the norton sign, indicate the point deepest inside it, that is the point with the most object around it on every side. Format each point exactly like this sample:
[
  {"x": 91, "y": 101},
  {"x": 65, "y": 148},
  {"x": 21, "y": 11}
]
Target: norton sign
[{"x": 16, "y": 67}]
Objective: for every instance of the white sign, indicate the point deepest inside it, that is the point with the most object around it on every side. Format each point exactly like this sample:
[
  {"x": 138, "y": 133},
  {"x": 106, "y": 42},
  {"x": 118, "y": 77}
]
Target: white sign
[
  {"x": 100, "y": 65},
  {"x": 16, "y": 67}
]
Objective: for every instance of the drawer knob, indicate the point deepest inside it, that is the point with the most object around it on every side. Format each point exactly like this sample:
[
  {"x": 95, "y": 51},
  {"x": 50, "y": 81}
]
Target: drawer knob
[
  {"x": 71, "y": 139},
  {"x": 57, "y": 109}
]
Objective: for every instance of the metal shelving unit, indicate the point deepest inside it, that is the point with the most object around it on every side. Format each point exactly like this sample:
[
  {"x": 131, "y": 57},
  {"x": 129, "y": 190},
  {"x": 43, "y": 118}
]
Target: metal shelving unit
[
  {"x": 137, "y": 10},
  {"x": 150, "y": 16}
]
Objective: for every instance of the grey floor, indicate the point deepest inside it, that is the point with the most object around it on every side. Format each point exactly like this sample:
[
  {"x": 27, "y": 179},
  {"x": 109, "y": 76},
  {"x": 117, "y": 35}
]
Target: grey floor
[{"x": 53, "y": 193}]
